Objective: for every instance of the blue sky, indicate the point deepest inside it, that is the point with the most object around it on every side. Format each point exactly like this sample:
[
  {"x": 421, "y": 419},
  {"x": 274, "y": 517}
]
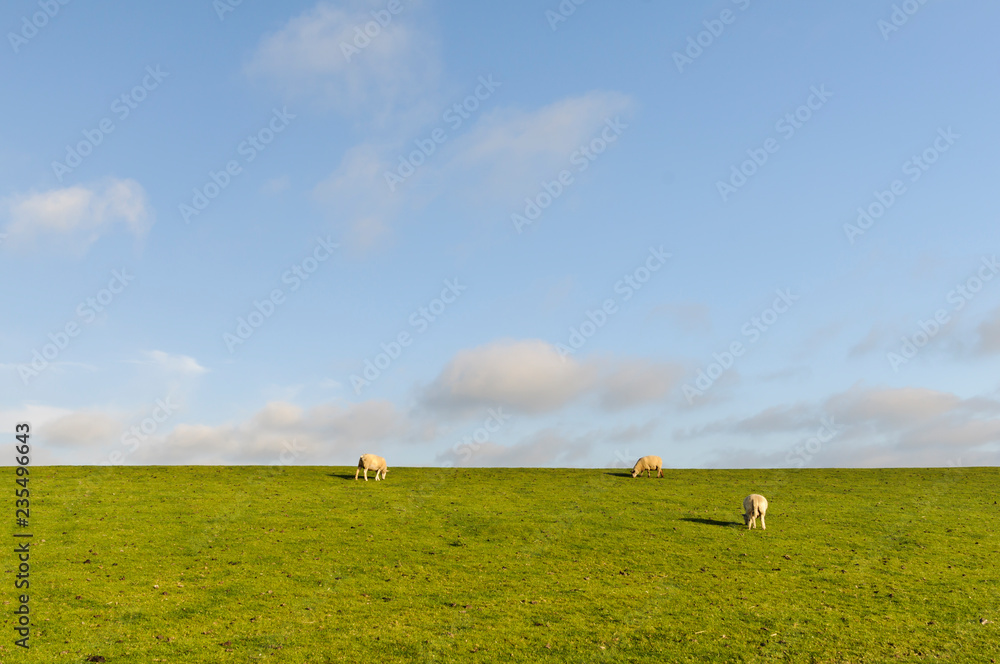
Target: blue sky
[{"x": 553, "y": 234}]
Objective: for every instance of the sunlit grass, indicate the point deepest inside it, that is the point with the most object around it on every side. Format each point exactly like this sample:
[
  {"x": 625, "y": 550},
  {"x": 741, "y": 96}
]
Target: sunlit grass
[{"x": 303, "y": 564}]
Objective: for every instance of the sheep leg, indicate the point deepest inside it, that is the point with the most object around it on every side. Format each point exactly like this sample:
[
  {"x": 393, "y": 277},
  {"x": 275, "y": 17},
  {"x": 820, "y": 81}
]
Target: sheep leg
[
  {"x": 366, "y": 474},
  {"x": 356, "y": 472},
  {"x": 762, "y": 524}
]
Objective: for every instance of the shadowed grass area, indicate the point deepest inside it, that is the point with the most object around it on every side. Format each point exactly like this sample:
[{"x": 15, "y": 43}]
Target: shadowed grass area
[{"x": 294, "y": 564}]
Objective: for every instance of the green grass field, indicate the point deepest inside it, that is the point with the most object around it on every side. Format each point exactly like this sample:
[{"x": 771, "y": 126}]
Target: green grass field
[{"x": 303, "y": 564}]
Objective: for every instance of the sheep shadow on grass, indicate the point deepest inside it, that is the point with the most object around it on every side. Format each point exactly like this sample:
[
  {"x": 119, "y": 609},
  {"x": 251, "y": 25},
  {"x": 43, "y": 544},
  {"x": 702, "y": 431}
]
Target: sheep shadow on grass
[
  {"x": 712, "y": 522},
  {"x": 348, "y": 476}
]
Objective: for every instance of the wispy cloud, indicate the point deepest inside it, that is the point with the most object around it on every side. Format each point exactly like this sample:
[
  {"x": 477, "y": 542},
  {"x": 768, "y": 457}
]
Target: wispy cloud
[
  {"x": 875, "y": 426},
  {"x": 691, "y": 317},
  {"x": 890, "y": 409},
  {"x": 629, "y": 383},
  {"x": 357, "y": 195},
  {"x": 277, "y": 185},
  {"x": 988, "y": 331},
  {"x": 75, "y": 217},
  {"x": 503, "y": 157},
  {"x": 510, "y": 151},
  {"x": 173, "y": 364},
  {"x": 324, "y": 55},
  {"x": 872, "y": 341}
]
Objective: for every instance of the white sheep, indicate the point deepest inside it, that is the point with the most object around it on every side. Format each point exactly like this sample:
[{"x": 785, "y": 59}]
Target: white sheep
[
  {"x": 648, "y": 463},
  {"x": 754, "y": 505},
  {"x": 371, "y": 462}
]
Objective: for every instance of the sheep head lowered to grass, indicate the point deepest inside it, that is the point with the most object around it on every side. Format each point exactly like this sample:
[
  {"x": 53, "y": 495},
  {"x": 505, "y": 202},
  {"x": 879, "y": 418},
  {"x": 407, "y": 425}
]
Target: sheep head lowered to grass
[{"x": 648, "y": 463}]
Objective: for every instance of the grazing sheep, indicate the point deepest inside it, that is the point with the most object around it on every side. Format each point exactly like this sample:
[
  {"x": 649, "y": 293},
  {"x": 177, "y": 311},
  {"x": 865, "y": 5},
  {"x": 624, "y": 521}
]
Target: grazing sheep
[
  {"x": 648, "y": 463},
  {"x": 754, "y": 505},
  {"x": 371, "y": 462}
]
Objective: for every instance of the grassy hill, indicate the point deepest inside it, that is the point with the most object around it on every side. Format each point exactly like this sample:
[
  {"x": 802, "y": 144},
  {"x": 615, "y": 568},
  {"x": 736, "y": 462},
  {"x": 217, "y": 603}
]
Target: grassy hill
[{"x": 303, "y": 564}]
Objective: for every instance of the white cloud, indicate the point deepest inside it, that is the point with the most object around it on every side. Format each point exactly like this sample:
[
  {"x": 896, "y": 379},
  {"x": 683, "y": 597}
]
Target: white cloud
[
  {"x": 279, "y": 433},
  {"x": 82, "y": 428},
  {"x": 35, "y": 415},
  {"x": 306, "y": 58},
  {"x": 282, "y": 432},
  {"x": 77, "y": 216},
  {"x": 61, "y": 435},
  {"x": 530, "y": 376},
  {"x": 527, "y": 376}
]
